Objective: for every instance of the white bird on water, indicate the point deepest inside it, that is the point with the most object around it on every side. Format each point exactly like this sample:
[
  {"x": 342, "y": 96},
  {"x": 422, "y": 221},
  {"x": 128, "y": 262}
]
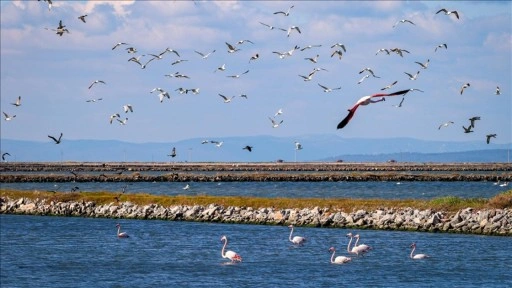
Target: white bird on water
[
  {"x": 417, "y": 256},
  {"x": 338, "y": 259},
  {"x": 231, "y": 255},
  {"x": 297, "y": 240},
  {"x": 121, "y": 234}
]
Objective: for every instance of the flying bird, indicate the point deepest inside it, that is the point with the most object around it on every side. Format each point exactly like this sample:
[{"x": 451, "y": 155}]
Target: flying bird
[
  {"x": 423, "y": 65},
  {"x": 382, "y": 50},
  {"x": 131, "y": 50},
  {"x": 128, "y": 108},
  {"x": 220, "y": 68},
  {"x": 226, "y": 99},
  {"x": 413, "y": 77},
  {"x": 178, "y": 61},
  {"x": 311, "y": 46},
  {"x": 441, "y": 46},
  {"x": 446, "y": 12},
  {"x": 114, "y": 116},
  {"x": 399, "y": 51},
  {"x": 82, "y": 17},
  {"x": 93, "y": 100},
  {"x": 240, "y": 42},
  {"x": 18, "y": 102},
  {"x": 231, "y": 48},
  {"x": 248, "y": 148},
  {"x": 173, "y": 152},
  {"x": 254, "y": 57},
  {"x": 5, "y": 154},
  {"x": 57, "y": 141},
  {"x": 498, "y": 92},
  {"x": 287, "y": 53},
  {"x": 119, "y": 44},
  {"x": 337, "y": 52},
  {"x": 279, "y": 112},
  {"x": 472, "y": 121},
  {"x": 238, "y": 75},
  {"x": 96, "y": 81},
  {"x": 327, "y": 89},
  {"x": 122, "y": 122},
  {"x": 403, "y": 21},
  {"x": 370, "y": 71},
  {"x": 287, "y": 13},
  {"x": 365, "y": 101},
  {"x": 291, "y": 29},
  {"x": 389, "y": 86},
  {"x": 205, "y": 55},
  {"x": 314, "y": 59},
  {"x": 272, "y": 27},
  {"x": 464, "y": 87},
  {"x": 489, "y": 136},
  {"x": 49, "y": 4},
  {"x": 274, "y": 123},
  {"x": 298, "y": 146},
  {"x": 467, "y": 130},
  {"x": 444, "y": 125},
  {"x": 362, "y": 79},
  {"x": 400, "y": 104},
  {"x": 7, "y": 117}
]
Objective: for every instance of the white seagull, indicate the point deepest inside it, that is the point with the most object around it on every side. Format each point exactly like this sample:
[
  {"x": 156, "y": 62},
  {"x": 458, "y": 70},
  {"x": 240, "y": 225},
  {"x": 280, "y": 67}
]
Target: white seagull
[
  {"x": 18, "y": 102},
  {"x": 413, "y": 77},
  {"x": 287, "y": 53},
  {"x": 464, "y": 87},
  {"x": 446, "y": 12},
  {"x": 423, "y": 65},
  {"x": 205, "y": 56},
  {"x": 122, "y": 122},
  {"x": 272, "y": 27},
  {"x": 370, "y": 71},
  {"x": 96, "y": 81},
  {"x": 327, "y": 89},
  {"x": 314, "y": 59},
  {"x": 114, "y": 116},
  {"x": 444, "y": 125},
  {"x": 178, "y": 61},
  {"x": 279, "y": 112},
  {"x": 337, "y": 52},
  {"x": 287, "y": 13},
  {"x": 441, "y": 46},
  {"x": 128, "y": 108},
  {"x": 238, "y": 75},
  {"x": 342, "y": 46},
  {"x": 254, "y": 57},
  {"x": 93, "y": 100},
  {"x": 231, "y": 48},
  {"x": 309, "y": 47},
  {"x": 498, "y": 92},
  {"x": 362, "y": 79},
  {"x": 291, "y": 29},
  {"x": 220, "y": 68},
  {"x": 403, "y": 21},
  {"x": 226, "y": 99},
  {"x": 119, "y": 44},
  {"x": 274, "y": 123},
  {"x": 7, "y": 117},
  {"x": 382, "y": 50},
  {"x": 389, "y": 86}
]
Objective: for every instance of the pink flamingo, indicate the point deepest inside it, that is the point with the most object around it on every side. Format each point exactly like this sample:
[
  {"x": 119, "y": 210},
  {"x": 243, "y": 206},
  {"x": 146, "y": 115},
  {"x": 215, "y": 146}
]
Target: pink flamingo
[
  {"x": 338, "y": 259},
  {"x": 363, "y": 247},
  {"x": 121, "y": 234},
  {"x": 297, "y": 240},
  {"x": 365, "y": 101},
  {"x": 231, "y": 255},
  {"x": 417, "y": 256},
  {"x": 356, "y": 249}
]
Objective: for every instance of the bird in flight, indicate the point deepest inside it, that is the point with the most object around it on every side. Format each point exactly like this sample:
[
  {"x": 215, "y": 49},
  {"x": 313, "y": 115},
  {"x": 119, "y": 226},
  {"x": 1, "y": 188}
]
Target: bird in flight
[
  {"x": 173, "y": 152},
  {"x": 205, "y": 56},
  {"x": 365, "y": 101},
  {"x": 226, "y": 99},
  {"x": 382, "y": 50},
  {"x": 279, "y": 112},
  {"x": 291, "y": 29},
  {"x": 314, "y": 59},
  {"x": 220, "y": 68},
  {"x": 489, "y": 136},
  {"x": 327, "y": 89},
  {"x": 82, "y": 17},
  {"x": 272, "y": 27},
  {"x": 248, "y": 148},
  {"x": 472, "y": 121},
  {"x": 238, "y": 75},
  {"x": 287, "y": 13},
  {"x": 298, "y": 146},
  {"x": 274, "y": 123},
  {"x": 254, "y": 57},
  {"x": 231, "y": 48},
  {"x": 441, "y": 46},
  {"x": 311, "y": 46},
  {"x": 498, "y": 92},
  {"x": 96, "y": 81},
  {"x": 446, "y": 12},
  {"x": 7, "y": 117},
  {"x": 467, "y": 130},
  {"x": 56, "y": 140},
  {"x": 464, "y": 87},
  {"x": 18, "y": 102},
  {"x": 423, "y": 65},
  {"x": 337, "y": 52},
  {"x": 119, "y": 44},
  {"x": 178, "y": 61},
  {"x": 49, "y": 4},
  {"x": 399, "y": 51},
  {"x": 389, "y": 86},
  {"x": 93, "y": 100},
  {"x": 114, "y": 116},
  {"x": 128, "y": 108},
  {"x": 400, "y": 104},
  {"x": 444, "y": 125},
  {"x": 403, "y": 21},
  {"x": 370, "y": 71},
  {"x": 5, "y": 154},
  {"x": 240, "y": 42},
  {"x": 362, "y": 79},
  {"x": 413, "y": 77}
]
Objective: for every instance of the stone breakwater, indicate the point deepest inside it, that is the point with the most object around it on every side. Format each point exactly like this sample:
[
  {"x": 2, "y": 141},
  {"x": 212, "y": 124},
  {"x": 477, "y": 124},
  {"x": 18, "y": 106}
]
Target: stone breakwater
[{"x": 470, "y": 221}]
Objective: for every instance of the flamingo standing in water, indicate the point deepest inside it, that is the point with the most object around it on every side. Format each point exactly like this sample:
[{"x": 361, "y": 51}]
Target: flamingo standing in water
[
  {"x": 417, "y": 256},
  {"x": 297, "y": 240},
  {"x": 365, "y": 101},
  {"x": 231, "y": 255},
  {"x": 363, "y": 247},
  {"x": 338, "y": 259},
  {"x": 121, "y": 234},
  {"x": 356, "y": 249}
]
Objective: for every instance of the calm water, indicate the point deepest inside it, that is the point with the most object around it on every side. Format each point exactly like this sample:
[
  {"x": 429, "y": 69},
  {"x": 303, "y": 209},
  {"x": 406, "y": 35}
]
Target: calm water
[
  {"x": 383, "y": 190},
  {"x": 40, "y": 251}
]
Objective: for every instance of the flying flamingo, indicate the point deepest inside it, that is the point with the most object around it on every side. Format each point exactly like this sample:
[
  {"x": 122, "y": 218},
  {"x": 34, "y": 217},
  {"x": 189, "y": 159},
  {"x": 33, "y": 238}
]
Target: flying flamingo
[
  {"x": 231, "y": 255},
  {"x": 297, "y": 240},
  {"x": 121, "y": 234},
  {"x": 338, "y": 259},
  {"x": 417, "y": 256},
  {"x": 365, "y": 101}
]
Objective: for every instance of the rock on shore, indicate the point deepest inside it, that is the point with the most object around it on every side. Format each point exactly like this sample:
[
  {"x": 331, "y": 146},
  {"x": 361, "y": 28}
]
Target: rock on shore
[{"x": 470, "y": 221}]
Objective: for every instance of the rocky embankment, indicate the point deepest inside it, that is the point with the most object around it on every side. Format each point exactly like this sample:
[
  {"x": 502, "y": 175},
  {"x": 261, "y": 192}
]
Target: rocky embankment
[{"x": 488, "y": 222}]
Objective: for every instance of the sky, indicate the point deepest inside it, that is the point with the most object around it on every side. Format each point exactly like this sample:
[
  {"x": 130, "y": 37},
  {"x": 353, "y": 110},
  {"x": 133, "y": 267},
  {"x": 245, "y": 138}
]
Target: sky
[{"x": 52, "y": 73}]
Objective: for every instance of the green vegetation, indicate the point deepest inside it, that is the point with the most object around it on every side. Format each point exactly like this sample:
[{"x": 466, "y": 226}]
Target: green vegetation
[{"x": 448, "y": 204}]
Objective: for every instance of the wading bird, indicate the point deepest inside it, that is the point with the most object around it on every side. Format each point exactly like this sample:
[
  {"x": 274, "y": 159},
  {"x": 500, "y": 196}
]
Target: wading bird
[
  {"x": 119, "y": 233},
  {"x": 231, "y": 255},
  {"x": 297, "y": 240},
  {"x": 338, "y": 259},
  {"x": 365, "y": 101},
  {"x": 417, "y": 256}
]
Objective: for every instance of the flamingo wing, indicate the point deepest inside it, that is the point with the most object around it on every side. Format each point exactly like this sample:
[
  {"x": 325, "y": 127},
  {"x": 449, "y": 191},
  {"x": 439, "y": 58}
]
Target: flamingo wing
[{"x": 352, "y": 110}]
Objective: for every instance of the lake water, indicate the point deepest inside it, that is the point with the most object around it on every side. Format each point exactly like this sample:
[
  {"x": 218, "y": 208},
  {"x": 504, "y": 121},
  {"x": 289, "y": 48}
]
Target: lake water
[
  {"x": 366, "y": 189},
  {"x": 41, "y": 251}
]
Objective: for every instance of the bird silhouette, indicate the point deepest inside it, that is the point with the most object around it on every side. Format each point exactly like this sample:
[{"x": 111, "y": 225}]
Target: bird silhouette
[{"x": 57, "y": 141}]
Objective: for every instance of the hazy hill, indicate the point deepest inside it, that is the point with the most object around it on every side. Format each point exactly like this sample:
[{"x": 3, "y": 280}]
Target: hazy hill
[{"x": 265, "y": 148}]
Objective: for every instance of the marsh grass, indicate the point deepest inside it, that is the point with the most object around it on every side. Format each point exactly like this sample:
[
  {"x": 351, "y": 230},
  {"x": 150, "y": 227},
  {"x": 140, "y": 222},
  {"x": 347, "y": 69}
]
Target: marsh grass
[{"x": 448, "y": 204}]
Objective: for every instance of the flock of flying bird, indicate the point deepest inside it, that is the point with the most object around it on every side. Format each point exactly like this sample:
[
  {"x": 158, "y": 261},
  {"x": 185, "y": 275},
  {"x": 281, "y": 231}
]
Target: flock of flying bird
[
  {"x": 338, "y": 50},
  {"x": 356, "y": 249}
]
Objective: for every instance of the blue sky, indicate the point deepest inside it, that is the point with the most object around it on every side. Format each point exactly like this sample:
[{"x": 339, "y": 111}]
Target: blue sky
[{"x": 52, "y": 74}]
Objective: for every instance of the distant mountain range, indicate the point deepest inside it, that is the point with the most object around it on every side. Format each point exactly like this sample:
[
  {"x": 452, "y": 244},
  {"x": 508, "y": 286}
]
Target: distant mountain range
[{"x": 265, "y": 149}]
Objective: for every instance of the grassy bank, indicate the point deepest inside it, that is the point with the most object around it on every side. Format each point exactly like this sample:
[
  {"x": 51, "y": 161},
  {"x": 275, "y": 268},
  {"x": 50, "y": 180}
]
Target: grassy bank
[{"x": 448, "y": 204}]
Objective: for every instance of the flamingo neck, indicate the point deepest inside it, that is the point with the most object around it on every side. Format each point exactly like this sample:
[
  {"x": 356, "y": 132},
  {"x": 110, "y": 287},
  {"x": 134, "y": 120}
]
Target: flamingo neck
[
  {"x": 118, "y": 230},
  {"x": 348, "y": 246},
  {"x": 357, "y": 241},
  {"x": 332, "y": 256},
  {"x": 291, "y": 232},
  {"x": 224, "y": 247},
  {"x": 412, "y": 251}
]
